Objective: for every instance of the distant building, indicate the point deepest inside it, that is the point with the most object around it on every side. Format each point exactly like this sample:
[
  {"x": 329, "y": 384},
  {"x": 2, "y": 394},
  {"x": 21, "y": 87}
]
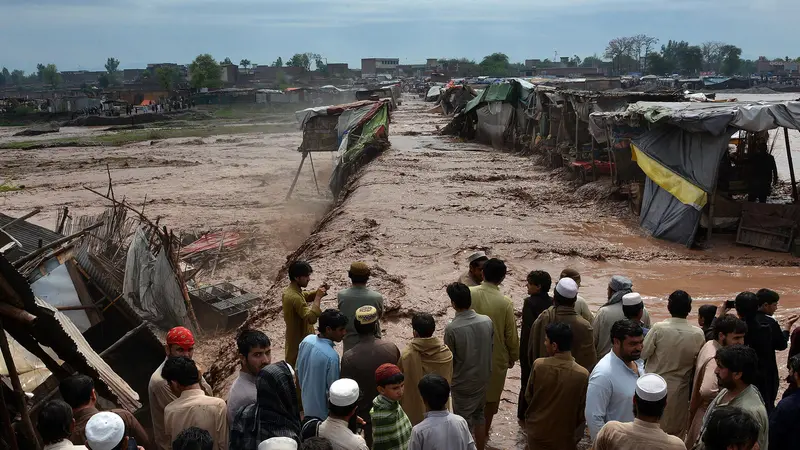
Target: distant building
[
  {"x": 338, "y": 69},
  {"x": 532, "y": 63},
  {"x": 269, "y": 74},
  {"x": 373, "y": 66},
  {"x": 132, "y": 75},
  {"x": 229, "y": 73},
  {"x": 563, "y": 72},
  {"x": 777, "y": 68},
  {"x": 78, "y": 77}
]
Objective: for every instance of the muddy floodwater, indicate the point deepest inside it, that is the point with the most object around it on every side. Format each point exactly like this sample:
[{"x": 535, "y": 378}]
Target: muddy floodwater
[
  {"x": 414, "y": 214},
  {"x": 418, "y": 210}
]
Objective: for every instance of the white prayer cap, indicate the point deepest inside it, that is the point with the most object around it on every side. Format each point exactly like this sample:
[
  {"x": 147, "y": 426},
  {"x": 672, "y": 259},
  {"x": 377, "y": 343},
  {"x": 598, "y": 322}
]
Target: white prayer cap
[
  {"x": 104, "y": 431},
  {"x": 278, "y": 443},
  {"x": 344, "y": 392},
  {"x": 651, "y": 387},
  {"x": 631, "y": 299},
  {"x": 475, "y": 256},
  {"x": 567, "y": 287}
]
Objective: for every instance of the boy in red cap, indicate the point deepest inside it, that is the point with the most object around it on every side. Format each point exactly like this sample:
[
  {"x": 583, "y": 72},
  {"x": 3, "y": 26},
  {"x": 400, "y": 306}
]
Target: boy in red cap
[
  {"x": 391, "y": 429},
  {"x": 180, "y": 342}
]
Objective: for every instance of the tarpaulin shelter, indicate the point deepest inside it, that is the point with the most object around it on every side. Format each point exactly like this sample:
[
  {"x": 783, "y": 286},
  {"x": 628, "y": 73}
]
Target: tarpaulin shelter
[
  {"x": 489, "y": 117},
  {"x": 346, "y": 129},
  {"x": 680, "y": 148}
]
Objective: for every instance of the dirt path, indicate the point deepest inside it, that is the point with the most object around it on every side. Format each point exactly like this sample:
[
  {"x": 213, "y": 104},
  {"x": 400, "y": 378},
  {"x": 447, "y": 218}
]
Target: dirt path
[{"x": 419, "y": 209}]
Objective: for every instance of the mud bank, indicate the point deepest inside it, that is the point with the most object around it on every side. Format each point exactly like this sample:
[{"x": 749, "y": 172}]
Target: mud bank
[{"x": 418, "y": 210}]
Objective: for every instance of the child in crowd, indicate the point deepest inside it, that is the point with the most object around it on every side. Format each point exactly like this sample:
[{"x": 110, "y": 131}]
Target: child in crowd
[{"x": 391, "y": 429}]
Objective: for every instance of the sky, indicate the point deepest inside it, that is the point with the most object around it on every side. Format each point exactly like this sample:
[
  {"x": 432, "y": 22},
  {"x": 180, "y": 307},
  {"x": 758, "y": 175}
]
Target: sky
[{"x": 82, "y": 34}]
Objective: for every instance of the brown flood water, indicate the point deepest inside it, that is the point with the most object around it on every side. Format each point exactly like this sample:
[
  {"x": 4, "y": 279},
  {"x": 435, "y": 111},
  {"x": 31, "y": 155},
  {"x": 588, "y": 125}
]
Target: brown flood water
[{"x": 420, "y": 208}]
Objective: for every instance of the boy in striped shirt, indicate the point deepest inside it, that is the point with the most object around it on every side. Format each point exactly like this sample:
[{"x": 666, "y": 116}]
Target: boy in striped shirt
[{"x": 391, "y": 429}]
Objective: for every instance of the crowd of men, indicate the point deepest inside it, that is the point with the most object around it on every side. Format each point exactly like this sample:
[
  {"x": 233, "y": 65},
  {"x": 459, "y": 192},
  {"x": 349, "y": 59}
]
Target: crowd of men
[{"x": 632, "y": 383}]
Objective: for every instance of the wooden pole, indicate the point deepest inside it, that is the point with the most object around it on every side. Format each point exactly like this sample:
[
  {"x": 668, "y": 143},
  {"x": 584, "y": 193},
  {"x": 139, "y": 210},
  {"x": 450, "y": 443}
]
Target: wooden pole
[
  {"x": 23, "y": 218},
  {"x": 123, "y": 339},
  {"x": 6, "y": 418},
  {"x": 20, "y": 394},
  {"x": 791, "y": 164},
  {"x": 296, "y": 176}
]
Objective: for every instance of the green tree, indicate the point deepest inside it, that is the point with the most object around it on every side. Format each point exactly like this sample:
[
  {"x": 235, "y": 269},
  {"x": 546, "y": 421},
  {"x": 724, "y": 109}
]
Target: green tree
[
  {"x": 112, "y": 69},
  {"x": 40, "y": 71},
  {"x": 300, "y": 60},
  {"x": 17, "y": 76},
  {"x": 658, "y": 65},
  {"x": 227, "y": 61},
  {"x": 104, "y": 80},
  {"x": 691, "y": 60},
  {"x": 732, "y": 61},
  {"x": 591, "y": 61},
  {"x": 4, "y": 77},
  {"x": 205, "y": 72},
  {"x": 278, "y": 62},
  {"x": 168, "y": 77},
  {"x": 51, "y": 76},
  {"x": 245, "y": 63},
  {"x": 495, "y": 65}
]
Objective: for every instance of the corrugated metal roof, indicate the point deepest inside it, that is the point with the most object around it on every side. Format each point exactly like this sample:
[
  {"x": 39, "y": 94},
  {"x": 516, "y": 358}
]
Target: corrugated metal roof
[
  {"x": 28, "y": 234},
  {"x": 126, "y": 396}
]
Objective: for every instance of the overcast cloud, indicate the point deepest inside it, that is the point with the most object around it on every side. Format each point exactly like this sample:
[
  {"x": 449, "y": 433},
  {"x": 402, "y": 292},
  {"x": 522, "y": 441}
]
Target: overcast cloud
[{"x": 81, "y": 34}]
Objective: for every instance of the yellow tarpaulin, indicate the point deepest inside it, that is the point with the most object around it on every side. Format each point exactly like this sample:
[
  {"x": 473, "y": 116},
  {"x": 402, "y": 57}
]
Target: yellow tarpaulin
[{"x": 680, "y": 188}]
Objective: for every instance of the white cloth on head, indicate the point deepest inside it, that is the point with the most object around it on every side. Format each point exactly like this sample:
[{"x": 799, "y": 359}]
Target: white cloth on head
[
  {"x": 567, "y": 287},
  {"x": 476, "y": 255},
  {"x": 618, "y": 283},
  {"x": 631, "y": 299},
  {"x": 344, "y": 392},
  {"x": 278, "y": 443},
  {"x": 104, "y": 431},
  {"x": 650, "y": 387}
]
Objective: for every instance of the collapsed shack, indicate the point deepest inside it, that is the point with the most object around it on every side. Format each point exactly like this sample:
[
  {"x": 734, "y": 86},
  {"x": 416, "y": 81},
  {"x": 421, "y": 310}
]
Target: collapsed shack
[
  {"x": 357, "y": 132},
  {"x": 692, "y": 165},
  {"x": 496, "y": 116},
  {"x": 455, "y": 98},
  {"x": 62, "y": 315},
  {"x": 391, "y": 92}
]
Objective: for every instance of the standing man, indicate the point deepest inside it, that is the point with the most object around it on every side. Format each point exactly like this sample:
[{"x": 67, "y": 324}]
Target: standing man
[
  {"x": 343, "y": 407},
  {"x": 192, "y": 407},
  {"x": 768, "y": 300},
  {"x": 613, "y": 380},
  {"x": 318, "y": 363},
  {"x": 564, "y": 312},
  {"x": 298, "y": 315},
  {"x": 441, "y": 429},
  {"x": 581, "y": 307},
  {"x": 556, "y": 393},
  {"x": 737, "y": 369},
  {"x": 729, "y": 330},
  {"x": 470, "y": 337},
  {"x": 78, "y": 391},
  {"x": 489, "y": 301},
  {"x": 355, "y": 297},
  {"x": 764, "y": 335},
  {"x": 763, "y": 171},
  {"x": 360, "y": 362},
  {"x": 705, "y": 320},
  {"x": 537, "y": 301},
  {"x": 633, "y": 308},
  {"x": 424, "y": 354},
  {"x": 611, "y": 312},
  {"x": 670, "y": 350},
  {"x": 649, "y": 402},
  {"x": 255, "y": 353},
  {"x": 474, "y": 275},
  {"x": 784, "y": 434},
  {"x": 731, "y": 428},
  {"x": 55, "y": 424},
  {"x": 180, "y": 342}
]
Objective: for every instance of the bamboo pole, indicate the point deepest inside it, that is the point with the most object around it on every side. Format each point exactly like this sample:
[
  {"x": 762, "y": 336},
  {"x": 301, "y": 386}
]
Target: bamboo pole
[
  {"x": 20, "y": 394},
  {"x": 791, "y": 164},
  {"x": 54, "y": 244}
]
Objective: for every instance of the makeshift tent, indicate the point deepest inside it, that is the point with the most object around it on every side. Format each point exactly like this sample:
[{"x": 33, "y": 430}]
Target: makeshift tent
[
  {"x": 680, "y": 148},
  {"x": 489, "y": 117},
  {"x": 347, "y": 129}
]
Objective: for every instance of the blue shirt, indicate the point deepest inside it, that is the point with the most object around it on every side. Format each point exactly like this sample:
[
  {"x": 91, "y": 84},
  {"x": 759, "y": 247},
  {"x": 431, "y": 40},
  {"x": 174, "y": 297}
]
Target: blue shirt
[
  {"x": 317, "y": 369},
  {"x": 610, "y": 394}
]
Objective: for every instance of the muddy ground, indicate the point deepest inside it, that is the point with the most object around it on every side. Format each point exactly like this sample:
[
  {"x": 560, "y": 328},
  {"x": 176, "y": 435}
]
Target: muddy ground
[{"x": 413, "y": 215}]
